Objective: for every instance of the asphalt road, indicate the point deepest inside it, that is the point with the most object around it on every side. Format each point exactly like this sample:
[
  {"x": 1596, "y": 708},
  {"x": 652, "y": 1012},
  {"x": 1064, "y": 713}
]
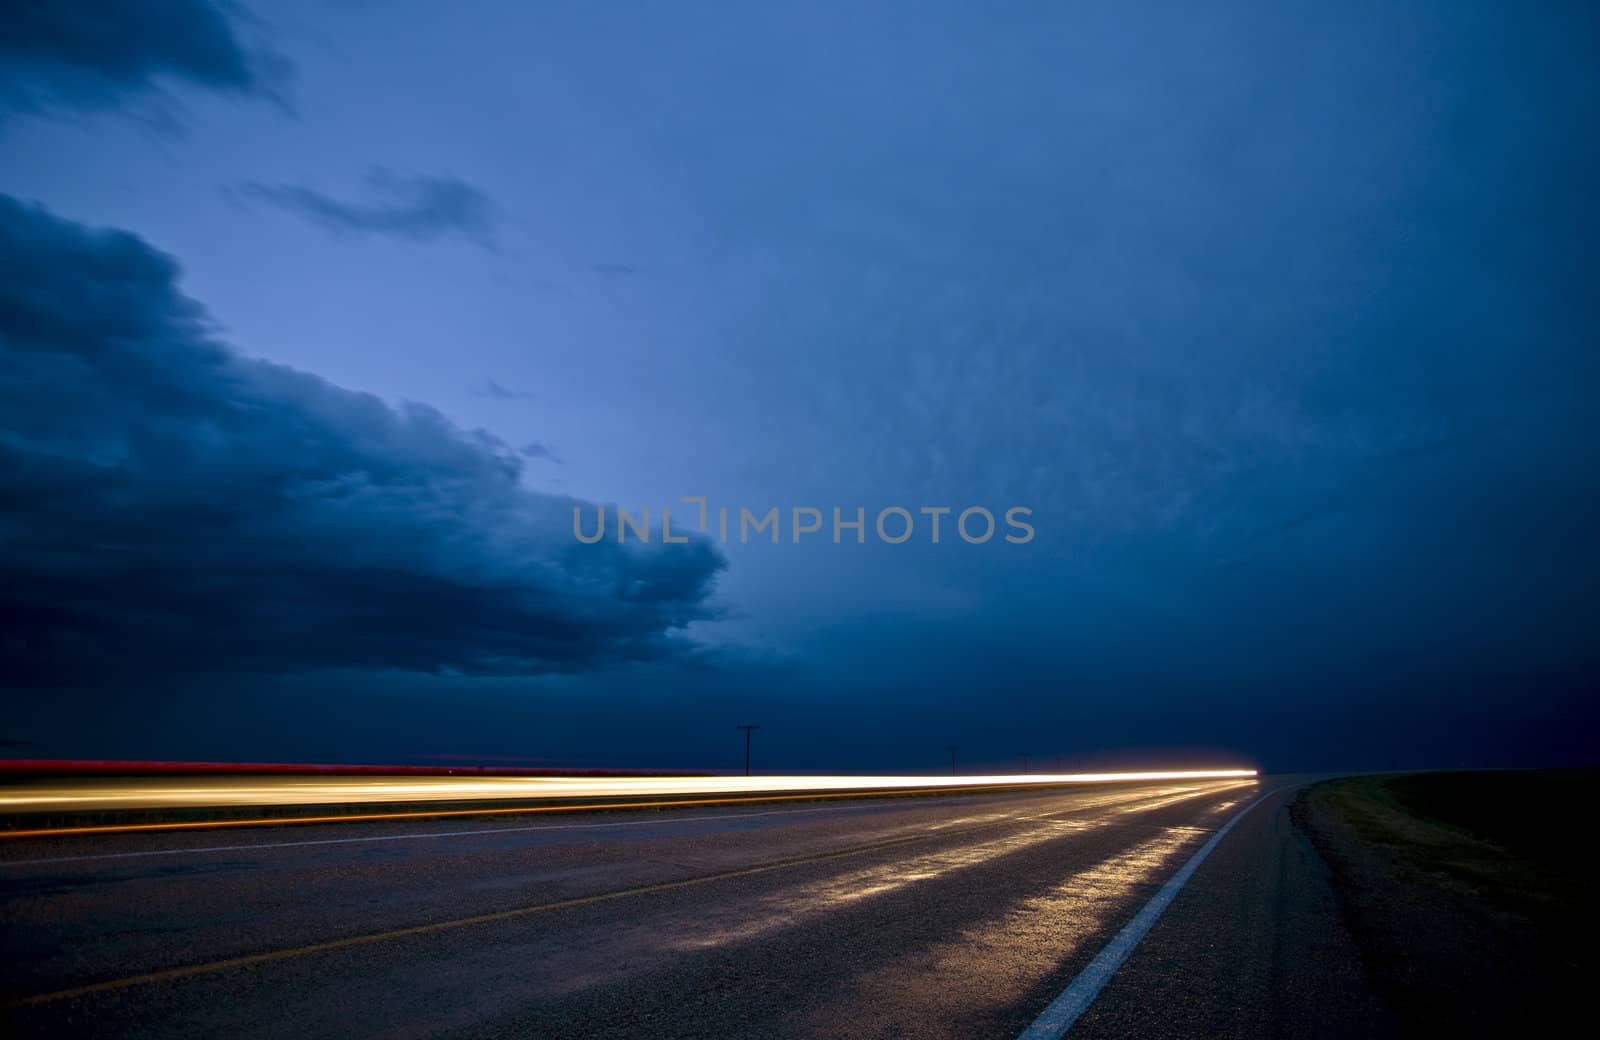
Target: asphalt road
[{"x": 957, "y": 916}]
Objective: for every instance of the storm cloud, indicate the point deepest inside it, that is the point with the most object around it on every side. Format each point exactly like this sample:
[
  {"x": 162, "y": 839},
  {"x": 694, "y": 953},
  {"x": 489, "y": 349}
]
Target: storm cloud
[
  {"x": 402, "y": 205},
  {"x": 94, "y": 54},
  {"x": 1277, "y": 315},
  {"x": 167, "y": 504}
]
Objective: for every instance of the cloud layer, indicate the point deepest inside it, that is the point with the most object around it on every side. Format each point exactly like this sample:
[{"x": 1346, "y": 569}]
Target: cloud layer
[
  {"x": 94, "y": 54},
  {"x": 402, "y": 205},
  {"x": 167, "y": 504}
]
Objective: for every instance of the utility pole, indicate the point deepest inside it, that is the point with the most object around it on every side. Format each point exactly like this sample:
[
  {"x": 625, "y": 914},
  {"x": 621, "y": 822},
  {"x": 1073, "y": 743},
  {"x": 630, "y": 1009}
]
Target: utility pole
[
  {"x": 747, "y": 731},
  {"x": 952, "y": 750},
  {"x": 1027, "y": 767}
]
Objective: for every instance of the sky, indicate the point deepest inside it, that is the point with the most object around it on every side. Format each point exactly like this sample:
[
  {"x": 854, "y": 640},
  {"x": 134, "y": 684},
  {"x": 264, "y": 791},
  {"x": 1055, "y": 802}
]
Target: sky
[{"x": 320, "y": 319}]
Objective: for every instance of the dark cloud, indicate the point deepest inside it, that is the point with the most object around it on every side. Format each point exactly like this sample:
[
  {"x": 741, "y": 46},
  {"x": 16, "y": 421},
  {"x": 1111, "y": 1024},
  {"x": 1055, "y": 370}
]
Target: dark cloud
[
  {"x": 167, "y": 504},
  {"x": 94, "y": 54},
  {"x": 538, "y": 450},
  {"x": 401, "y": 205}
]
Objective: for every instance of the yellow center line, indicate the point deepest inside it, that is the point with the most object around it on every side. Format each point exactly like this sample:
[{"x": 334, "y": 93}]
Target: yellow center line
[
  {"x": 249, "y": 960},
  {"x": 433, "y": 814}
]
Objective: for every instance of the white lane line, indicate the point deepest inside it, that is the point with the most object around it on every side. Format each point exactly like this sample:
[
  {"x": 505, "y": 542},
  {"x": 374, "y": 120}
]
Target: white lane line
[
  {"x": 1063, "y": 1012},
  {"x": 419, "y": 837}
]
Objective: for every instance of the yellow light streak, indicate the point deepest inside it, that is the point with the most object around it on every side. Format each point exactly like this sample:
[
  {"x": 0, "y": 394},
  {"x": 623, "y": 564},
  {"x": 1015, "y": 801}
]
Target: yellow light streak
[{"x": 642, "y": 792}]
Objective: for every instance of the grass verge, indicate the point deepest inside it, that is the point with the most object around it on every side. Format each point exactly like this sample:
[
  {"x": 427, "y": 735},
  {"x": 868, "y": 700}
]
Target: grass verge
[{"x": 1470, "y": 894}]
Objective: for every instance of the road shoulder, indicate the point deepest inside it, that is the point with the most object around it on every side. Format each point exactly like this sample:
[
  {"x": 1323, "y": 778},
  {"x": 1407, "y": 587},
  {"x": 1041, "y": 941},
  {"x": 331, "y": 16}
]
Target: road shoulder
[{"x": 1255, "y": 945}]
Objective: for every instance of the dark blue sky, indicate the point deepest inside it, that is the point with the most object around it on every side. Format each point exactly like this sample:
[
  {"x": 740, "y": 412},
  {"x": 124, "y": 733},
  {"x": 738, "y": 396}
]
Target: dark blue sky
[{"x": 319, "y": 319}]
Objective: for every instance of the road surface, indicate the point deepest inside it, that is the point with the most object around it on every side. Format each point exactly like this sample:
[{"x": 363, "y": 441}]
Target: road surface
[{"x": 957, "y": 916}]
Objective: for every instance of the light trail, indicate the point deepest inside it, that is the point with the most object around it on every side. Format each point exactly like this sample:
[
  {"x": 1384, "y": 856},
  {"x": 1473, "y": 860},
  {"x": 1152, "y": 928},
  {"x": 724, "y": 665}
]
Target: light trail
[
  {"x": 561, "y": 794},
  {"x": 151, "y": 793}
]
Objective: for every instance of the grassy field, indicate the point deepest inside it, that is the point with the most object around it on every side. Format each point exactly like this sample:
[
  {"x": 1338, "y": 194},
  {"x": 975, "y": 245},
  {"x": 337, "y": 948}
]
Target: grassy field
[{"x": 1469, "y": 894}]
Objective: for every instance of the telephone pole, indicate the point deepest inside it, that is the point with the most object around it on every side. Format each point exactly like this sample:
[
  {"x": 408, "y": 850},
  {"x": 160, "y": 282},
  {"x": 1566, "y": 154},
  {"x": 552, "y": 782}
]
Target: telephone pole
[
  {"x": 747, "y": 732},
  {"x": 952, "y": 749}
]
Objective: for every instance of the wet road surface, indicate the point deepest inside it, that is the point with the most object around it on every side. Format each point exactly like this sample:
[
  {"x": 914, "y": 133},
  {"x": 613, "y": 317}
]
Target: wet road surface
[{"x": 952, "y": 916}]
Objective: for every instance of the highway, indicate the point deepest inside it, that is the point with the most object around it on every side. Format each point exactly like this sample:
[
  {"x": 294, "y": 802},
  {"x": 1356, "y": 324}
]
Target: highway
[{"x": 961, "y": 915}]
